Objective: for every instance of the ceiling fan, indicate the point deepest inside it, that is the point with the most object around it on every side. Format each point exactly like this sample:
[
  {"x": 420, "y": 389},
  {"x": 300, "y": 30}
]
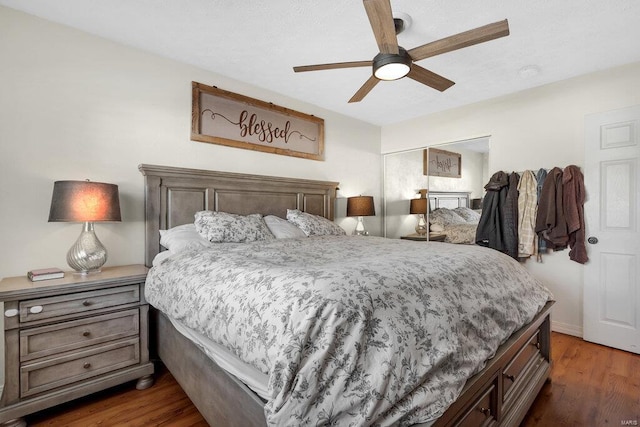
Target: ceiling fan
[{"x": 394, "y": 62}]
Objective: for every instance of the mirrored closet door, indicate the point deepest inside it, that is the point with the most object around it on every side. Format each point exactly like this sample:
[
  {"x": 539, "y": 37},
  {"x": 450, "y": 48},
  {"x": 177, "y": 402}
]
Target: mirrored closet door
[{"x": 454, "y": 175}]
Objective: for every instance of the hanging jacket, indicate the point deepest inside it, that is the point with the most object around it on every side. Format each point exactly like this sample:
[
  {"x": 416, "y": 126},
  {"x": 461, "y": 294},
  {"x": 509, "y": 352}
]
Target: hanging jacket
[
  {"x": 510, "y": 217},
  {"x": 573, "y": 201},
  {"x": 541, "y": 175},
  {"x": 550, "y": 222},
  {"x": 490, "y": 230},
  {"x": 527, "y": 211}
]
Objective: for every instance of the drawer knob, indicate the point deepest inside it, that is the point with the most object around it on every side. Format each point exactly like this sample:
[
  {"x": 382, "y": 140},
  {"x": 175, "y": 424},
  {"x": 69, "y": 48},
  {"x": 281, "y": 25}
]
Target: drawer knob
[
  {"x": 86, "y": 333},
  {"x": 485, "y": 411},
  {"x": 12, "y": 312},
  {"x": 35, "y": 309},
  {"x": 87, "y": 365},
  {"x": 509, "y": 377},
  {"x": 86, "y": 303}
]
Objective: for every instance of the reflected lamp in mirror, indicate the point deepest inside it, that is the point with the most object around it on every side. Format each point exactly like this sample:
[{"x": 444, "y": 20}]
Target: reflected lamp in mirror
[
  {"x": 476, "y": 204},
  {"x": 86, "y": 202},
  {"x": 420, "y": 207},
  {"x": 360, "y": 206}
]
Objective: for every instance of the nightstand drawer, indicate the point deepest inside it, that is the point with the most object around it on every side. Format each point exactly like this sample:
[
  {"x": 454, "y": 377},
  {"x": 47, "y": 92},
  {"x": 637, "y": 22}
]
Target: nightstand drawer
[
  {"x": 53, "y": 339},
  {"x": 79, "y": 302},
  {"x": 60, "y": 371}
]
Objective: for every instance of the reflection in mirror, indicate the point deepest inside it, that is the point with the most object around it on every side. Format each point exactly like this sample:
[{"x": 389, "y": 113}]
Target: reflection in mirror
[{"x": 404, "y": 177}]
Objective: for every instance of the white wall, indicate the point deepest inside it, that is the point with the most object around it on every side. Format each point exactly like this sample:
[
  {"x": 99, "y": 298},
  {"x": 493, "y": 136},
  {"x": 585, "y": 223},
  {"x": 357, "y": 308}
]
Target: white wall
[
  {"x": 541, "y": 127},
  {"x": 75, "y": 106}
]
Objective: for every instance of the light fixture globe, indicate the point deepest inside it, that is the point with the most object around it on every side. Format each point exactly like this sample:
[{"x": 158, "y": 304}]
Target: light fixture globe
[{"x": 389, "y": 66}]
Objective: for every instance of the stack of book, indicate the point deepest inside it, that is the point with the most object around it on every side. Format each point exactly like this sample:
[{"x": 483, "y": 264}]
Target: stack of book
[{"x": 45, "y": 274}]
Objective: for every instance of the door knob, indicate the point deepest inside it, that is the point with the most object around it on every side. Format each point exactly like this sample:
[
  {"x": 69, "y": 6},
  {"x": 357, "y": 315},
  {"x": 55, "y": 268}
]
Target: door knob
[{"x": 592, "y": 240}]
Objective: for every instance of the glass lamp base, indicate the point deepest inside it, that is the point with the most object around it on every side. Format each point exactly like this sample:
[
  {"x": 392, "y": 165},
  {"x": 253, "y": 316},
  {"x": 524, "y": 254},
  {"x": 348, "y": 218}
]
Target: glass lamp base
[
  {"x": 359, "y": 230},
  {"x": 88, "y": 254},
  {"x": 422, "y": 228}
]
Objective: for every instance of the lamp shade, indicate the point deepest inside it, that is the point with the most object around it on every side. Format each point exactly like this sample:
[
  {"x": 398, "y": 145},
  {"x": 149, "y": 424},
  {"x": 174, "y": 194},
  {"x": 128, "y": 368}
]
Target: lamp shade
[
  {"x": 360, "y": 206},
  {"x": 419, "y": 206},
  {"x": 84, "y": 201},
  {"x": 476, "y": 203}
]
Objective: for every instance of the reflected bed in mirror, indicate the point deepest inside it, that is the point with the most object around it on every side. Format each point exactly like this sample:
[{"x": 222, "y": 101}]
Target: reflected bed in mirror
[{"x": 452, "y": 216}]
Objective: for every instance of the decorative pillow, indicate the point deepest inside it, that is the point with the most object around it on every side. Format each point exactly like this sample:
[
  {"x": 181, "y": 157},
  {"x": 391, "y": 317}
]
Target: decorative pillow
[
  {"x": 467, "y": 214},
  {"x": 182, "y": 238},
  {"x": 313, "y": 225},
  {"x": 282, "y": 229},
  {"x": 437, "y": 228},
  {"x": 445, "y": 217},
  {"x": 222, "y": 227}
]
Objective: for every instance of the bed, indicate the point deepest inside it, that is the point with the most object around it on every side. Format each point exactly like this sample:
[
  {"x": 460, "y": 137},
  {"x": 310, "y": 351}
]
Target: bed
[
  {"x": 500, "y": 393},
  {"x": 452, "y": 216}
]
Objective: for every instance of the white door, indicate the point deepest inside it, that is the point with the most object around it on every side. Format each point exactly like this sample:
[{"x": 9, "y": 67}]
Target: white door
[{"x": 612, "y": 212}]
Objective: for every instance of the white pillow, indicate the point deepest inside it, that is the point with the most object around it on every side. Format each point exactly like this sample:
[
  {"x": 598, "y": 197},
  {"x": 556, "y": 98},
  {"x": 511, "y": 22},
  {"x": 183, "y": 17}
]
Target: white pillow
[
  {"x": 467, "y": 214},
  {"x": 282, "y": 229},
  {"x": 437, "y": 228},
  {"x": 222, "y": 227},
  {"x": 313, "y": 225},
  {"x": 182, "y": 238}
]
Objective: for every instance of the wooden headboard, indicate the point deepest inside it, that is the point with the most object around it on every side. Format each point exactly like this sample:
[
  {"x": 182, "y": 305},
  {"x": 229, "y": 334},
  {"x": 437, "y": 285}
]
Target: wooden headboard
[
  {"x": 449, "y": 199},
  {"x": 174, "y": 195}
]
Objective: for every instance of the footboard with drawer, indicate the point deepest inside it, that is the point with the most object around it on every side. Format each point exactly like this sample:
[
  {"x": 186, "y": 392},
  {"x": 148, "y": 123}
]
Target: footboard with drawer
[{"x": 502, "y": 393}]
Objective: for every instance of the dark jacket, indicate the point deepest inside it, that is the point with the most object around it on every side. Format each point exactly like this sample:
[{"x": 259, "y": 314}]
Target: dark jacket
[
  {"x": 550, "y": 222},
  {"x": 490, "y": 231},
  {"x": 540, "y": 178},
  {"x": 573, "y": 200},
  {"x": 510, "y": 217}
]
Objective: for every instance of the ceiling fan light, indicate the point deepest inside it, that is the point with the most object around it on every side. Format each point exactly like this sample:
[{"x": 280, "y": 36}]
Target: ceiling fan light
[
  {"x": 389, "y": 66},
  {"x": 392, "y": 71}
]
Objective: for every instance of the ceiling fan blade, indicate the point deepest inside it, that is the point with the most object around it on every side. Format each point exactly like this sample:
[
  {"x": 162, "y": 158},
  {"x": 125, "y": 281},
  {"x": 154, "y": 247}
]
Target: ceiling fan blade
[
  {"x": 429, "y": 78},
  {"x": 458, "y": 41},
  {"x": 332, "y": 66},
  {"x": 365, "y": 89},
  {"x": 381, "y": 19}
]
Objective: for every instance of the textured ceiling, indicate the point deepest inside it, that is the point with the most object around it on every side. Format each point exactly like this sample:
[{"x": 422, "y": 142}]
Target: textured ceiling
[{"x": 259, "y": 42}]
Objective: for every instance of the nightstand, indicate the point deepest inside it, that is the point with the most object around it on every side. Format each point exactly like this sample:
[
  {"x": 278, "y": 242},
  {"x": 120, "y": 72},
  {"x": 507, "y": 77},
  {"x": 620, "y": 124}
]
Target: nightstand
[
  {"x": 66, "y": 338},
  {"x": 433, "y": 237}
]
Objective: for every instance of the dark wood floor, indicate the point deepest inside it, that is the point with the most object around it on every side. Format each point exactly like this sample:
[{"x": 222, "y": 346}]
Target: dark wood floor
[{"x": 591, "y": 386}]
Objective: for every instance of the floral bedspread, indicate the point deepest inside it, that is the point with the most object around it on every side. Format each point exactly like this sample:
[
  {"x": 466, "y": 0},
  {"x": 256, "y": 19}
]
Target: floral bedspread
[
  {"x": 461, "y": 233},
  {"x": 351, "y": 330}
]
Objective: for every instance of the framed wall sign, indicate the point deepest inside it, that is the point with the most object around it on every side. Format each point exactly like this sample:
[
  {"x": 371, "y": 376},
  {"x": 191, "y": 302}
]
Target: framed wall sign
[
  {"x": 439, "y": 162},
  {"x": 227, "y": 118}
]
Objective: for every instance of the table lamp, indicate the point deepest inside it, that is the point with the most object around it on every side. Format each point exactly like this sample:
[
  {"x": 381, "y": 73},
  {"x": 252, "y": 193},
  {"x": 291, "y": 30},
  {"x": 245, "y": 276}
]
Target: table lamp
[
  {"x": 420, "y": 207},
  {"x": 360, "y": 206},
  {"x": 87, "y": 202}
]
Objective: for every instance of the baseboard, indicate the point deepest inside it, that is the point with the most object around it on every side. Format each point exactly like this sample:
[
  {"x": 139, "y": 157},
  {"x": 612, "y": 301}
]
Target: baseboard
[{"x": 565, "y": 328}]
